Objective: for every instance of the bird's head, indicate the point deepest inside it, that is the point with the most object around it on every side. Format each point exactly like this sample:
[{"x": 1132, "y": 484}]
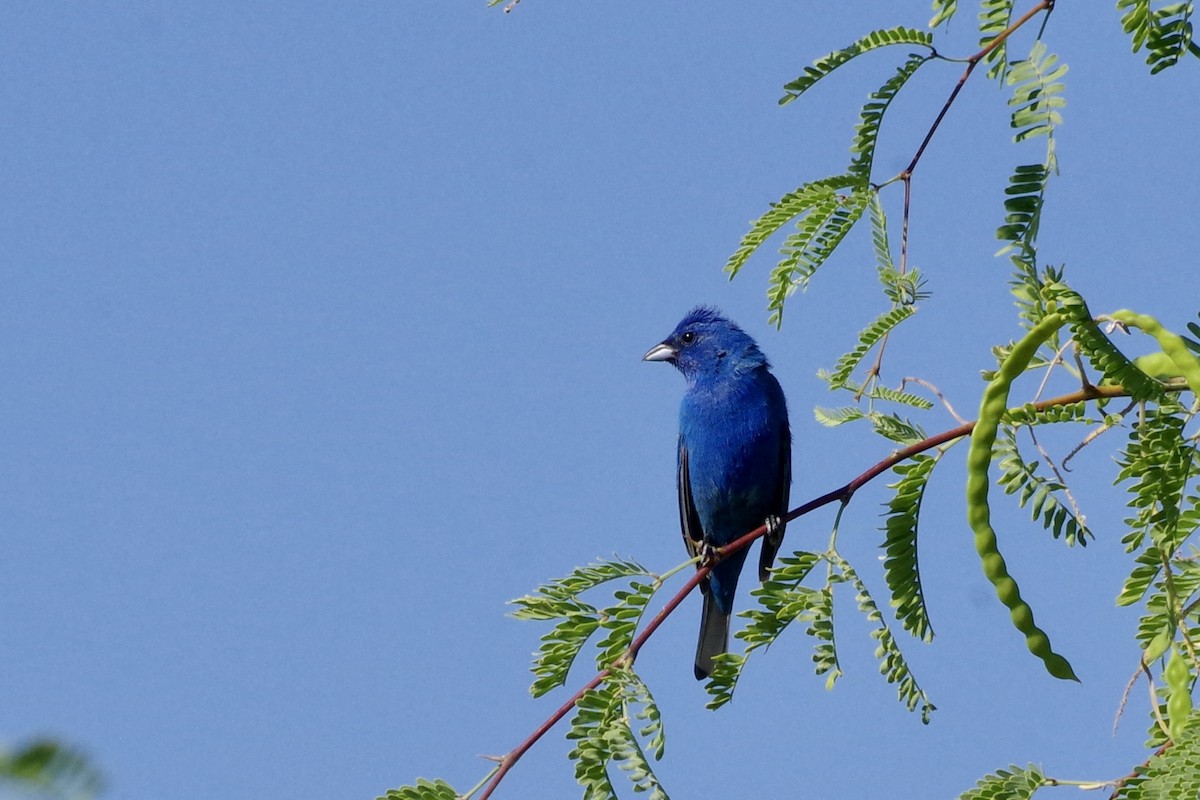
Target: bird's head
[{"x": 707, "y": 343}]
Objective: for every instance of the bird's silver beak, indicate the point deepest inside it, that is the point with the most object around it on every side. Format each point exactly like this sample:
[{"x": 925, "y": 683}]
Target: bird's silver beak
[{"x": 661, "y": 352}]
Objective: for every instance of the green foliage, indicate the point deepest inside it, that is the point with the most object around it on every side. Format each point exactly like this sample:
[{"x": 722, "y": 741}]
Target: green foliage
[
  {"x": 578, "y": 620},
  {"x": 866, "y": 135},
  {"x": 867, "y": 339},
  {"x": 1025, "y": 193},
  {"x": 50, "y": 768},
  {"x": 1165, "y": 32},
  {"x": 1158, "y": 462},
  {"x": 423, "y": 790},
  {"x": 603, "y": 735},
  {"x": 783, "y": 211},
  {"x": 943, "y": 10},
  {"x": 1039, "y": 492},
  {"x": 1100, "y": 351},
  {"x": 1175, "y": 773},
  {"x": 994, "y": 18},
  {"x": 617, "y": 722},
  {"x": 1013, "y": 783},
  {"x": 901, "y": 288},
  {"x": 1037, "y": 94},
  {"x": 826, "y": 64},
  {"x": 819, "y": 230},
  {"x": 783, "y": 600},
  {"x": 621, "y": 621},
  {"x": 900, "y": 566},
  {"x": 892, "y": 664}
]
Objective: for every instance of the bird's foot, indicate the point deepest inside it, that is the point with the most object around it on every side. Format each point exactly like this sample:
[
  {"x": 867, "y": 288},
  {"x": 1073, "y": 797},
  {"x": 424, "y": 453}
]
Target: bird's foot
[
  {"x": 709, "y": 554},
  {"x": 774, "y": 525}
]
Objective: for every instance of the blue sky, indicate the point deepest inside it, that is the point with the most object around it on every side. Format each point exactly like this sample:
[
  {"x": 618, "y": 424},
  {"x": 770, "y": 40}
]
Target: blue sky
[{"x": 321, "y": 326}]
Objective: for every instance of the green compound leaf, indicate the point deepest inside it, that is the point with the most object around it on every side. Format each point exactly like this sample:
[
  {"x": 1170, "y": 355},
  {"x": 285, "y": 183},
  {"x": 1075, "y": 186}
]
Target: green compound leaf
[
  {"x": 904, "y": 398},
  {"x": 892, "y": 426},
  {"x": 818, "y": 233},
  {"x": 892, "y": 664},
  {"x": 1037, "y": 94},
  {"x": 783, "y": 211},
  {"x": 830, "y": 62},
  {"x": 866, "y": 133},
  {"x": 577, "y": 620},
  {"x": 1158, "y": 461},
  {"x": 900, "y": 566},
  {"x": 867, "y": 339},
  {"x": 1013, "y": 783},
  {"x": 621, "y": 621},
  {"x": 559, "y": 598},
  {"x": 603, "y": 736},
  {"x": 994, "y": 18},
  {"x": 1025, "y": 195},
  {"x": 1165, "y": 32},
  {"x": 1037, "y": 491},
  {"x": 832, "y": 417}
]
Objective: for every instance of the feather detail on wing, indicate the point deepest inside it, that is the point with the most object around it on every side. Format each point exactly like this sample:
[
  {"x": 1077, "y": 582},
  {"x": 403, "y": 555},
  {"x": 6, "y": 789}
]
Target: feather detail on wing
[
  {"x": 689, "y": 519},
  {"x": 772, "y": 541}
]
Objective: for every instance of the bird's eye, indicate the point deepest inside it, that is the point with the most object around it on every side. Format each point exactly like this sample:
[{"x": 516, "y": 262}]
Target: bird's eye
[{"x": 688, "y": 338}]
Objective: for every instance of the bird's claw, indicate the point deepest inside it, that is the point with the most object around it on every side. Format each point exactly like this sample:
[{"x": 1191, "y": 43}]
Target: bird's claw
[
  {"x": 709, "y": 554},
  {"x": 774, "y": 526}
]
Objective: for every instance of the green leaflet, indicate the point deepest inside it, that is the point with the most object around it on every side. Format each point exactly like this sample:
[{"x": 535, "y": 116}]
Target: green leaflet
[
  {"x": 830, "y": 62},
  {"x": 943, "y": 10},
  {"x": 1013, "y": 783},
  {"x": 900, "y": 566}
]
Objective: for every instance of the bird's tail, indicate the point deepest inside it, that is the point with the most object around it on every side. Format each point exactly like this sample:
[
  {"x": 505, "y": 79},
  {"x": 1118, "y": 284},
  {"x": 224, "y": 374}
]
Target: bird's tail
[{"x": 714, "y": 636}]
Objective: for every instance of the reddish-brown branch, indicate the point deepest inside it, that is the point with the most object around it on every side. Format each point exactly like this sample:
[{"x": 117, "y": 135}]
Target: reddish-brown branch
[{"x": 841, "y": 494}]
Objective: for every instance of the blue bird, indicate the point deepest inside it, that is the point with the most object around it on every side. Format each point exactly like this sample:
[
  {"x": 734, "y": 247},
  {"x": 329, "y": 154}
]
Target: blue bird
[{"x": 735, "y": 457}]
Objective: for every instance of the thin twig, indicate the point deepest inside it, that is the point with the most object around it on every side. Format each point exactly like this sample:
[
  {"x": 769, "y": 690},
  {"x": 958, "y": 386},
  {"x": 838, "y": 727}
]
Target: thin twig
[
  {"x": 936, "y": 393},
  {"x": 1095, "y": 434}
]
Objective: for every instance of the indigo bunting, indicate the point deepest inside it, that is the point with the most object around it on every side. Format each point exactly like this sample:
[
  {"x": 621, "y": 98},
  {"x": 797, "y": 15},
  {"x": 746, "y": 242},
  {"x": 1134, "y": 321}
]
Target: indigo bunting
[{"x": 735, "y": 458}]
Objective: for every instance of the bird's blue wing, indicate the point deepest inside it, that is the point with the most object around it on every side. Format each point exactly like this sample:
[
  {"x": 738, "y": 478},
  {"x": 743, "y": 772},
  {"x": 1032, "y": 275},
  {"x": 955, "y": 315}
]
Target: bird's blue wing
[
  {"x": 782, "y": 494},
  {"x": 689, "y": 518}
]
